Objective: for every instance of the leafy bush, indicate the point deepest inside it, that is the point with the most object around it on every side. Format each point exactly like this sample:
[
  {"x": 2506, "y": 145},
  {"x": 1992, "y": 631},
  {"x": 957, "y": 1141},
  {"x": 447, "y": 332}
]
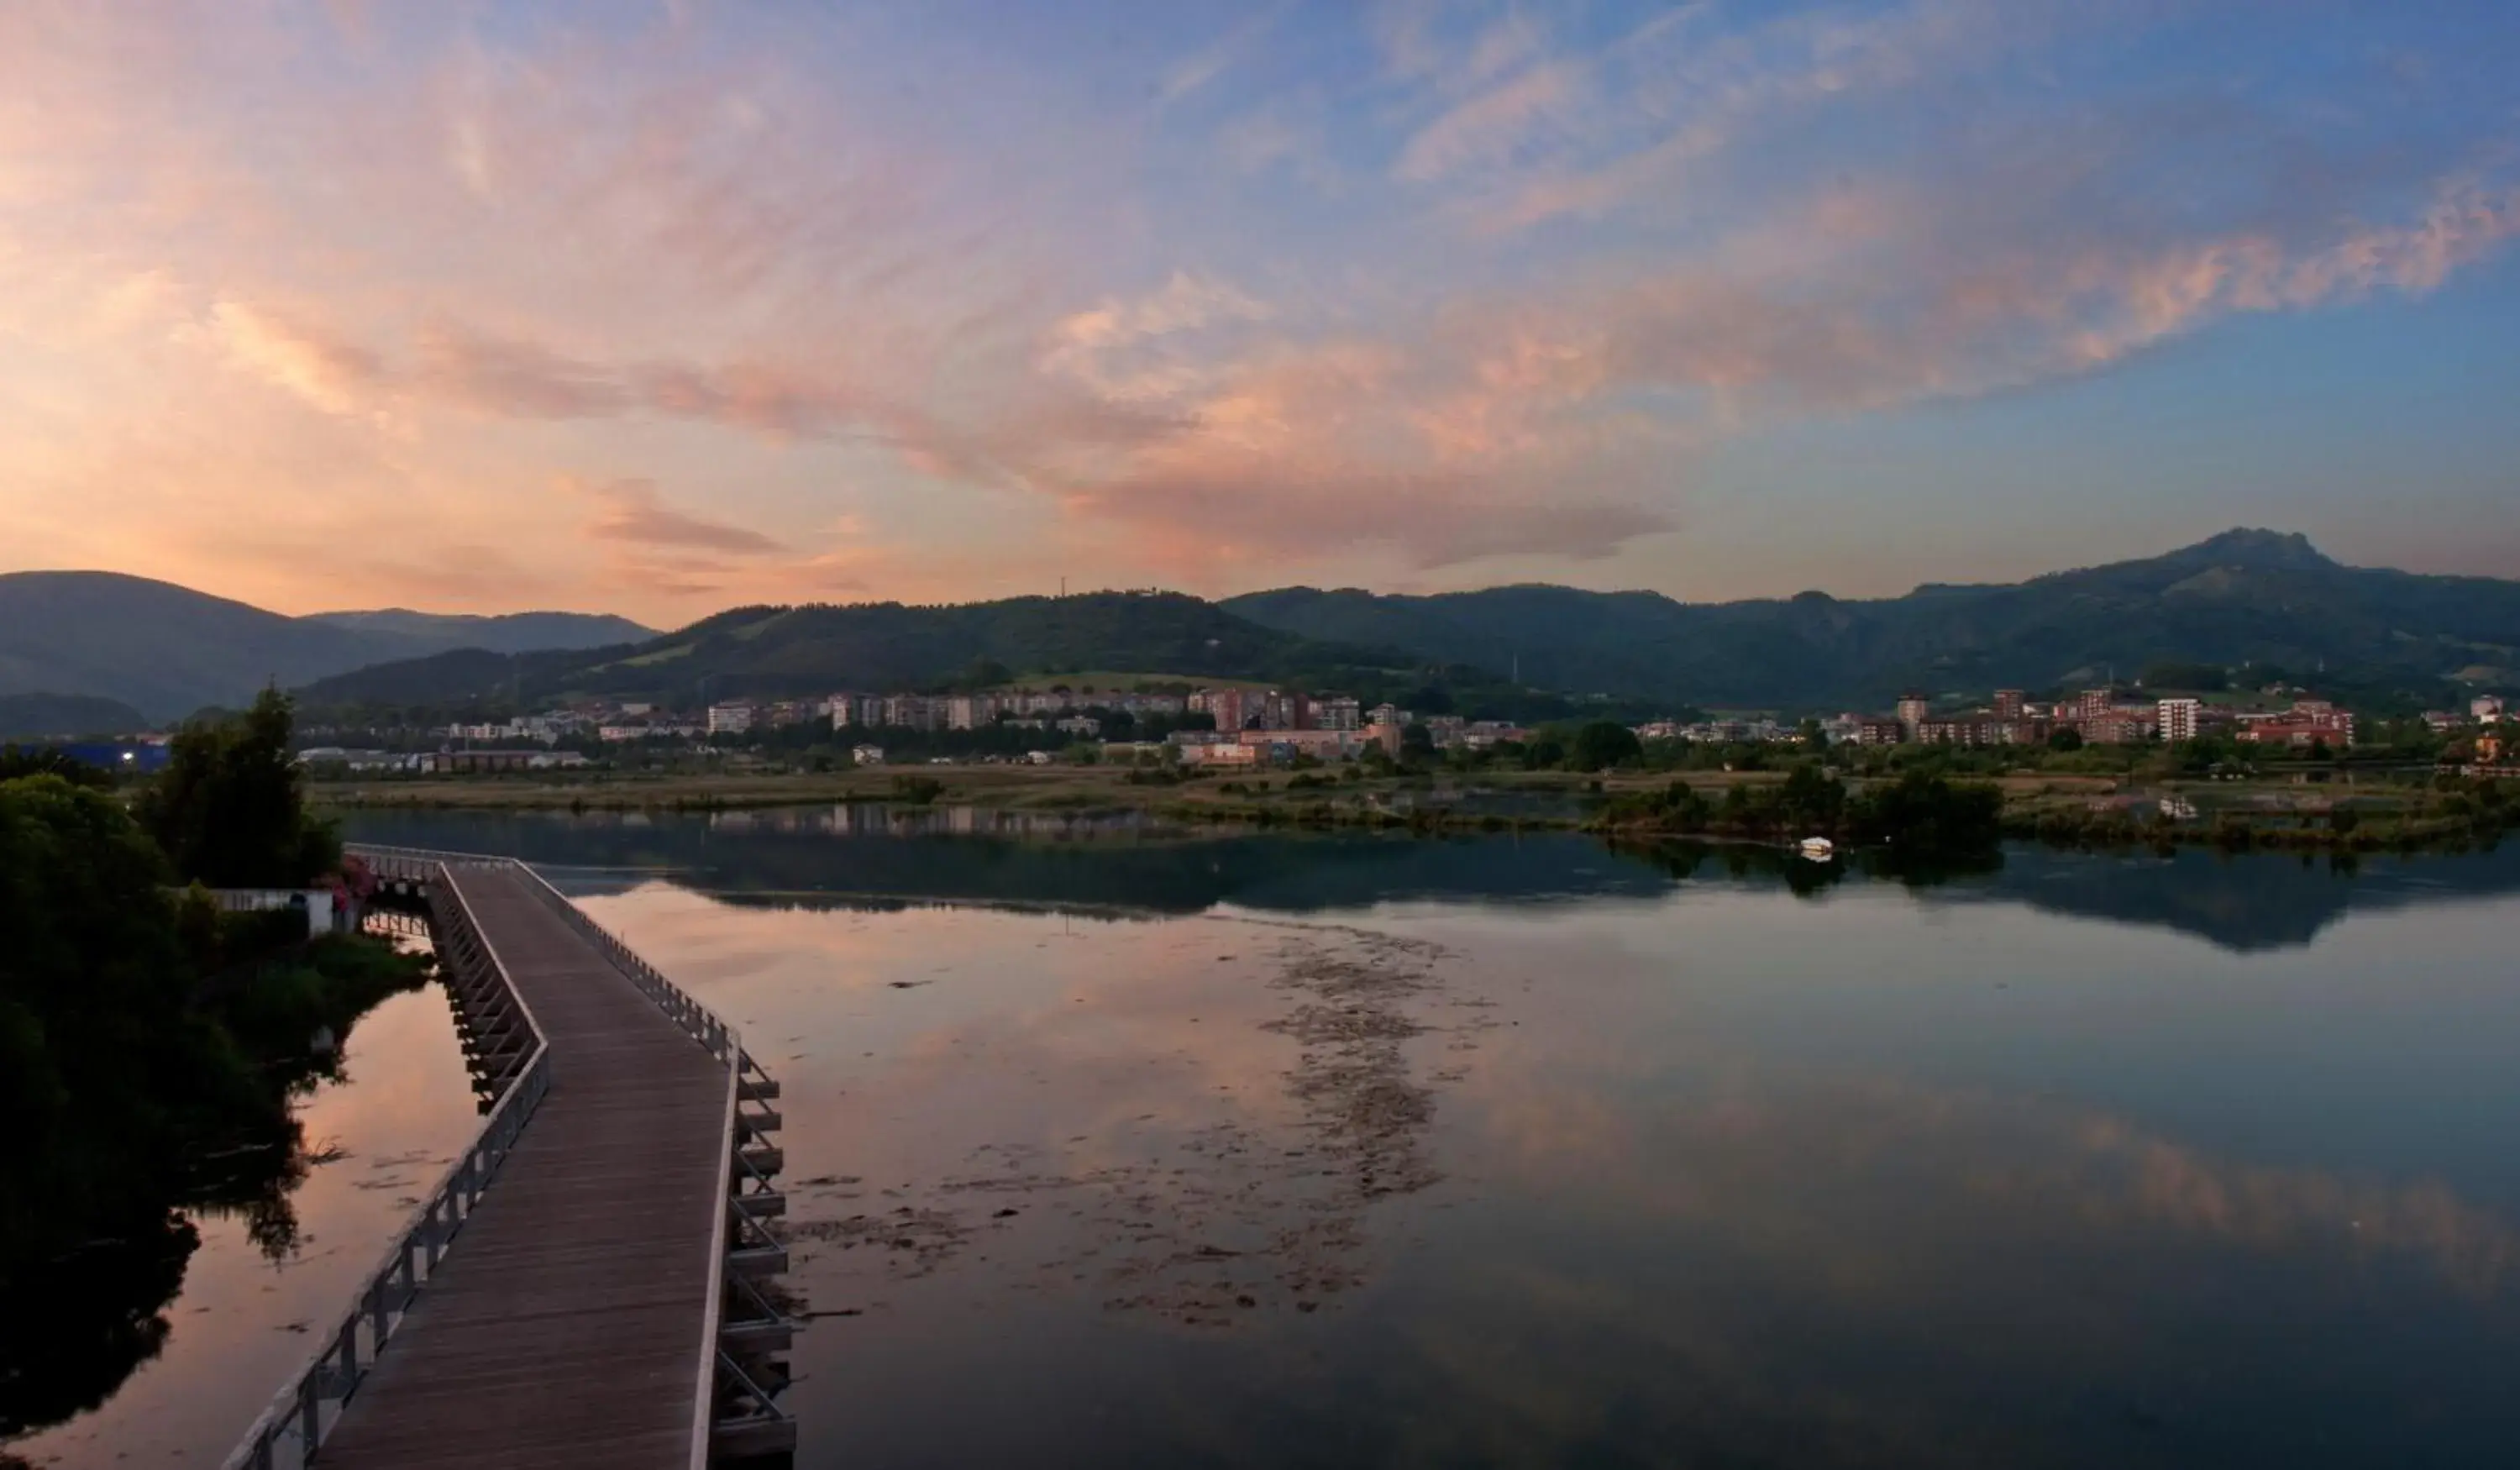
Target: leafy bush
[
  {"x": 1602, "y": 744},
  {"x": 917, "y": 790}
]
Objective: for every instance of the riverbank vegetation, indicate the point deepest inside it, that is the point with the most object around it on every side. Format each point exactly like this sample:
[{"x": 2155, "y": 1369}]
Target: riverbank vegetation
[
  {"x": 151, "y": 1045},
  {"x": 2125, "y": 795},
  {"x": 1920, "y": 812},
  {"x": 2449, "y": 812}
]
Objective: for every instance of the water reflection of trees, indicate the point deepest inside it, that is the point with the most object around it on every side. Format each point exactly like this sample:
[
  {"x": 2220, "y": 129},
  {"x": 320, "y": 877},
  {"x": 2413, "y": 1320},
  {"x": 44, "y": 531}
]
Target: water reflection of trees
[
  {"x": 2248, "y": 901},
  {"x": 1743, "y": 863},
  {"x": 136, "y": 1095},
  {"x": 98, "y": 1251}
]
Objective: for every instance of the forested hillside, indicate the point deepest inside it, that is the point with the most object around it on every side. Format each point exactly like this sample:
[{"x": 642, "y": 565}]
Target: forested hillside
[{"x": 2243, "y": 598}]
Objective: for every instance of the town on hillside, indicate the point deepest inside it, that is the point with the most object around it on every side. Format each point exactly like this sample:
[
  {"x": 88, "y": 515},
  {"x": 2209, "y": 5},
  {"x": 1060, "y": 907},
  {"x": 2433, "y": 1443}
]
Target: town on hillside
[
  {"x": 1176, "y": 725},
  {"x": 1242, "y": 727}
]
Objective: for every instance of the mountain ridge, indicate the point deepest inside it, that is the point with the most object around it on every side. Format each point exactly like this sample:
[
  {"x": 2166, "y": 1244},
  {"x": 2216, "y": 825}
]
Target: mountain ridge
[
  {"x": 2246, "y": 597},
  {"x": 494, "y": 632},
  {"x": 167, "y": 650},
  {"x": 816, "y": 648}
]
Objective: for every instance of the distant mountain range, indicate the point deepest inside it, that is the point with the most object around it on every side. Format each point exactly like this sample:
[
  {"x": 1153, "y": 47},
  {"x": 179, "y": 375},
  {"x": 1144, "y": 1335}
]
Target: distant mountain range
[
  {"x": 2243, "y": 597},
  {"x": 48, "y": 717},
  {"x": 166, "y": 650},
  {"x": 812, "y": 651},
  {"x": 505, "y": 633},
  {"x": 2250, "y": 599}
]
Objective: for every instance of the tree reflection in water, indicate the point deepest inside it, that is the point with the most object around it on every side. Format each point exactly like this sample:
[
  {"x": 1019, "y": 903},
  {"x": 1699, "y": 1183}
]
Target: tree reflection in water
[{"x": 86, "y": 1279}]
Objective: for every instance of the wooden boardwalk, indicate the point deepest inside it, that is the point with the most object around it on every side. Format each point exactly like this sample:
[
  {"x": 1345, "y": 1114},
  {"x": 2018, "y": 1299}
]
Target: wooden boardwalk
[{"x": 570, "y": 1324}]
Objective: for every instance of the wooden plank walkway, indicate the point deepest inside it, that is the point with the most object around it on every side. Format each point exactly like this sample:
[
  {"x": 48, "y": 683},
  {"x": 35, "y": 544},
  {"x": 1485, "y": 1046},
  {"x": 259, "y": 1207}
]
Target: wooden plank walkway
[{"x": 566, "y": 1327}]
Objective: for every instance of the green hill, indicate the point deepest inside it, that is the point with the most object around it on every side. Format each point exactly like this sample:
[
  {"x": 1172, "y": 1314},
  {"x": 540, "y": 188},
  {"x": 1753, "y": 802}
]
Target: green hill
[
  {"x": 502, "y": 633},
  {"x": 41, "y": 717},
  {"x": 2244, "y": 597},
  {"x": 167, "y": 650},
  {"x": 773, "y": 653}
]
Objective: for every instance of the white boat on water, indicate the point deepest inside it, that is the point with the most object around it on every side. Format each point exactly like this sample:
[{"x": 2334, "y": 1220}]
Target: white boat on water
[{"x": 1818, "y": 849}]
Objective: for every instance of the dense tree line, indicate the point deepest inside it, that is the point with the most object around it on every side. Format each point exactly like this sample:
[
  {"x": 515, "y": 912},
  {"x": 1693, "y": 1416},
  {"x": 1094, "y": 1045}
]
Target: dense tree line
[
  {"x": 1920, "y": 813},
  {"x": 150, "y": 1043}
]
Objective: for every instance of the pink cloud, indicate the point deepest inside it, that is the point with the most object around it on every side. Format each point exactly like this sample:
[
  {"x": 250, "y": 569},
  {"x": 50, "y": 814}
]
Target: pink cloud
[
  {"x": 334, "y": 375},
  {"x": 408, "y": 256},
  {"x": 635, "y": 512}
]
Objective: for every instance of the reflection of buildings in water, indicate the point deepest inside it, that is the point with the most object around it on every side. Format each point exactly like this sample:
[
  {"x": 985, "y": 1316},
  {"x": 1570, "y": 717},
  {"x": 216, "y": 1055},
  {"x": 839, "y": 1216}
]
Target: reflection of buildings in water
[
  {"x": 886, "y": 820},
  {"x": 2255, "y": 903}
]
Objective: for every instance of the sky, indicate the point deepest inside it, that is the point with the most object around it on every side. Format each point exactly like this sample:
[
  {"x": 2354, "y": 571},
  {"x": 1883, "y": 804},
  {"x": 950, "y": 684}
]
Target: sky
[{"x": 660, "y": 308}]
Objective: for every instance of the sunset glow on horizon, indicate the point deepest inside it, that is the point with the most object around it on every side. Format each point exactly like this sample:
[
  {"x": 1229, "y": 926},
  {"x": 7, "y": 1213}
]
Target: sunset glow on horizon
[{"x": 656, "y": 309}]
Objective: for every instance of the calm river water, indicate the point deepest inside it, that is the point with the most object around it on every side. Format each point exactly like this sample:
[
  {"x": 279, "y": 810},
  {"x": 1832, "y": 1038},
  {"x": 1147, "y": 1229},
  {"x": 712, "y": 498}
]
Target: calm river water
[{"x": 1111, "y": 1148}]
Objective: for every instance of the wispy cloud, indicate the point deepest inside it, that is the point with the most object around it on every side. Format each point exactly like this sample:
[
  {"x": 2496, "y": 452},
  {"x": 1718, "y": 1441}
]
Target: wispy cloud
[
  {"x": 635, "y": 512},
  {"x": 1205, "y": 64},
  {"x": 419, "y": 256},
  {"x": 334, "y": 375},
  {"x": 1497, "y": 125}
]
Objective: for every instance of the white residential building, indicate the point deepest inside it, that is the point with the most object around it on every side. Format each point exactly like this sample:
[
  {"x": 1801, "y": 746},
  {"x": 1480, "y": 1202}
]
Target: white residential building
[
  {"x": 911, "y": 711},
  {"x": 2177, "y": 718},
  {"x": 1339, "y": 713},
  {"x": 729, "y": 719}
]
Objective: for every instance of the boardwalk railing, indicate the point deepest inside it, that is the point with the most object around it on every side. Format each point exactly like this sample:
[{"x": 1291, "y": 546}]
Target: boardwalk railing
[
  {"x": 738, "y": 1374},
  {"x": 295, "y": 1424}
]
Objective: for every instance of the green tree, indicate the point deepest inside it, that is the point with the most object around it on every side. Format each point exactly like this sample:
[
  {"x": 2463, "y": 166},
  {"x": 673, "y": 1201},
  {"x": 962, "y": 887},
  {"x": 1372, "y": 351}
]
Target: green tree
[
  {"x": 1924, "y": 814},
  {"x": 1601, "y": 744},
  {"x": 230, "y": 808},
  {"x": 917, "y": 790},
  {"x": 122, "y": 1078},
  {"x": 1811, "y": 801},
  {"x": 984, "y": 673},
  {"x": 43, "y": 760},
  {"x": 1811, "y": 734},
  {"x": 2065, "y": 740},
  {"x": 2194, "y": 677}
]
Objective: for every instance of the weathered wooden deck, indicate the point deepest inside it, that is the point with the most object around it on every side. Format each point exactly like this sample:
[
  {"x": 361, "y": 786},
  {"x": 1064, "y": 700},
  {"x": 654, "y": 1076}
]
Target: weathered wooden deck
[{"x": 570, "y": 1325}]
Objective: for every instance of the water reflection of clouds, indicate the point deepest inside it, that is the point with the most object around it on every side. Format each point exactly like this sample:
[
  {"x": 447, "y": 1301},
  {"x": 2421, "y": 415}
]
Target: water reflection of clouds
[
  {"x": 2131, "y": 1177},
  {"x": 1692, "y": 1198},
  {"x": 1170, "y": 1021},
  {"x": 1207, "y": 1106},
  {"x": 1821, "y": 1272},
  {"x": 244, "y": 1323}
]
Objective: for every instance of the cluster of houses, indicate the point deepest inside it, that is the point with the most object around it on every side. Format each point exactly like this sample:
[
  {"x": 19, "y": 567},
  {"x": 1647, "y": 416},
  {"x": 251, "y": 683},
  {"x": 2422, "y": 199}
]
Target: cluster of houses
[
  {"x": 2482, "y": 744},
  {"x": 2099, "y": 717},
  {"x": 1256, "y": 726},
  {"x": 465, "y": 762},
  {"x": 1385, "y": 727},
  {"x": 1728, "y": 732},
  {"x": 1250, "y": 726}
]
